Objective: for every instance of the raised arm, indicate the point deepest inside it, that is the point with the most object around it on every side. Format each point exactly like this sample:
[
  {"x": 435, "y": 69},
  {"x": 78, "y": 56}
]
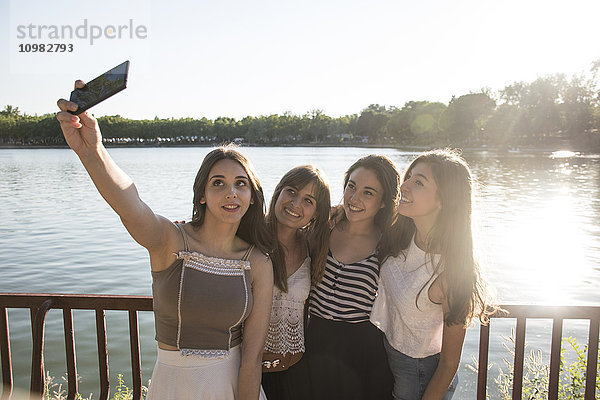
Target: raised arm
[
  {"x": 82, "y": 134},
  {"x": 255, "y": 327}
]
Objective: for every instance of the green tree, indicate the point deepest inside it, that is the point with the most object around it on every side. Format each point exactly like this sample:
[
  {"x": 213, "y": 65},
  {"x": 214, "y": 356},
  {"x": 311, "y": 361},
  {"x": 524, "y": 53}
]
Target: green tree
[
  {"x": 372, "y": 123},
  {"x": 466, "y": 116},
  {"x": 417, "y": 120},
  {"x": 257, "y": 130},
  {"x": 314, "y": 127},
  {"x": 578, "y": 106},
  {"x": 225, "y": 129},
  {"x": 503, "y": 126},
  {"x": 10, "y": 111},
  {"x": 541, "y": 105}
]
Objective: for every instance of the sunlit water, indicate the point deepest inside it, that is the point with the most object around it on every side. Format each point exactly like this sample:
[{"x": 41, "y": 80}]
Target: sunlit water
[{"x": 538, "y": 231}]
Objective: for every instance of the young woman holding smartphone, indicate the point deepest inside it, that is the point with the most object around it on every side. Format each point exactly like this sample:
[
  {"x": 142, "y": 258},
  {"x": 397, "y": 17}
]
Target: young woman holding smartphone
[{"x": 212, "y": 282}]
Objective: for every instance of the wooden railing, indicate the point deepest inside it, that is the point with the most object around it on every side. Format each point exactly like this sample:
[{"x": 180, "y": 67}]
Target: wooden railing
[
  {"x": 557, "y": 314},
  {"x": 39, "y": 304}
]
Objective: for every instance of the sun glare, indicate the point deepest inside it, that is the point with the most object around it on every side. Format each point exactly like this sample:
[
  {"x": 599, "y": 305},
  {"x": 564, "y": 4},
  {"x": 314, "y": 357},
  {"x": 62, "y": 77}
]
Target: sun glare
[
  {"x": 562, "y": 154},
  {"x": 549, "y": 246}
]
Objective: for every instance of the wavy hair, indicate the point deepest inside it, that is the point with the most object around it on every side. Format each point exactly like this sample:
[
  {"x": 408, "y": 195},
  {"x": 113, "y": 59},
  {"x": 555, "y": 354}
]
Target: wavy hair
[
  {"x": 452, "y": 237},
  {"x": 316, "y": 233}
]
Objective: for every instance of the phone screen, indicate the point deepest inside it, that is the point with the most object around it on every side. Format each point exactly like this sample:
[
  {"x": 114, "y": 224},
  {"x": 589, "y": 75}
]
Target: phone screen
[{"x": 101, "y": 88}]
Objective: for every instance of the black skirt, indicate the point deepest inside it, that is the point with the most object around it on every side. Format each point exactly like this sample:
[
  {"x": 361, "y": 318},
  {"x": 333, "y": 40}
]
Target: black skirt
[
  {"x": 345, "y": 361},
  {"x": 291, "y": 384}
]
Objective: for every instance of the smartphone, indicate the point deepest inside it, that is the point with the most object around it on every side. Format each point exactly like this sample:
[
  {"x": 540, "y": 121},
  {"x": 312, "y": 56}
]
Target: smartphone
[{"x": 101, "y": 88}]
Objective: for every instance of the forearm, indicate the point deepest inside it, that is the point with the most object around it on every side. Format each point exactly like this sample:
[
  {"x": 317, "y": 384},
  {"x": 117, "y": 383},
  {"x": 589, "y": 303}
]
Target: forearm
[
  {"x": 440, "y": 381},
  {"x": 114, "y": 185},
  {"x": 249, "y": 380}
]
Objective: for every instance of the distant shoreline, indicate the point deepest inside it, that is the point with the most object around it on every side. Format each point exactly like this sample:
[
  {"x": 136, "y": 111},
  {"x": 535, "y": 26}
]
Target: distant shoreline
[{"x": 380, "y": 146}]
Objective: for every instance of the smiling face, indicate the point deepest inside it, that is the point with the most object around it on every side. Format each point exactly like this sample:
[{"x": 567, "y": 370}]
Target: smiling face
[
  {"x": 228, "y": 193},
  {"x": 363, "y": 195},
  {"x": 295, "y": 207},
  {"x": 420, "y": 200}
]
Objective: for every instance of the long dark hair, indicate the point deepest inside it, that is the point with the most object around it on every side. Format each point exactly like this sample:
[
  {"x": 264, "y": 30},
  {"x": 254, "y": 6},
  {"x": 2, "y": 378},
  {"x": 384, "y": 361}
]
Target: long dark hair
[
  {"x": 389, "y": 178},
  {"x": 252, "y": 228},
  {"x": 452, "y": 237},
  {"x": 316, "y": 232}
]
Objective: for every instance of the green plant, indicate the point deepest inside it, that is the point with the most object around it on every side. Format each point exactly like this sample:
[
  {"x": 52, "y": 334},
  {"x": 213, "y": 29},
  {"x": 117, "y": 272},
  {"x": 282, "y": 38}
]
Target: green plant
[
  {"x": 54, "y": 390},
  {"x": 123, "y": 392},
  {"x": 572, "y": 385},
  {"x": 535, "y": 374}
]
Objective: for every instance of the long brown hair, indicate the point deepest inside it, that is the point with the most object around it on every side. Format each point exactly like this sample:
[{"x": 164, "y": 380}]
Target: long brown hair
[
  {"x": 316, "y": 232},
  {"x": 452, "y": 237},
  {"x": 252, "y": 228},
  {"x": 389, "y": 178}
]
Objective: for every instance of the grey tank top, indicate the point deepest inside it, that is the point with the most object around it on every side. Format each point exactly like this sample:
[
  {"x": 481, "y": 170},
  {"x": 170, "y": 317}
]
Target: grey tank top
[{"x": 201, "y": 302}]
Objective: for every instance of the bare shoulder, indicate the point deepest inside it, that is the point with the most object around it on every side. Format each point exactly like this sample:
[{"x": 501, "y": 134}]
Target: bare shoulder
[
  {"x": 261, "y": 264},
  {"x": 259, "y": 260}
]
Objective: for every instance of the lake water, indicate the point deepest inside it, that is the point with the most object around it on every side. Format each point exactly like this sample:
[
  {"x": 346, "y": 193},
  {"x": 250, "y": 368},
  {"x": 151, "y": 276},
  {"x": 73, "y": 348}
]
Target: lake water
[{"x": 538, "y": 232}]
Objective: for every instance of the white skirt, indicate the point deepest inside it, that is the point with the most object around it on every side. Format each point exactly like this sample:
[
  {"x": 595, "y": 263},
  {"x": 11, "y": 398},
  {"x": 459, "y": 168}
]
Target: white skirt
[
  {"x": 179, "y": 377},
  {"x": 191, "y": 377}
]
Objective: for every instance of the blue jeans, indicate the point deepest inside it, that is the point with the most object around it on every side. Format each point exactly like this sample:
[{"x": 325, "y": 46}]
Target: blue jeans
[{"x": 412, "y": 375}]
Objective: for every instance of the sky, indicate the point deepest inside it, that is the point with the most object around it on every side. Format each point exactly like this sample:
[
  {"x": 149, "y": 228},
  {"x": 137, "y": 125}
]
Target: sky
[{"x": 237, "y": 58}]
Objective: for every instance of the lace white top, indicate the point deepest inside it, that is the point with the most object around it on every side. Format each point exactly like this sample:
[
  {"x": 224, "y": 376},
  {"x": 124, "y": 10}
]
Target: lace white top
[
  {"x": 286, "y": 328},
  {"x": 415, "y": 331}
]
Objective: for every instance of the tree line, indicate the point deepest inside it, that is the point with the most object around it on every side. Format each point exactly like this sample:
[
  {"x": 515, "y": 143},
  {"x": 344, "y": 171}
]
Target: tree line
[{"x": 547, "y": 112}]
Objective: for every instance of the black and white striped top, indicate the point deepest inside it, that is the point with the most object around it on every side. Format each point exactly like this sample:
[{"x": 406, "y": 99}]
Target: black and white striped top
[{"x": 347, "y": 291}]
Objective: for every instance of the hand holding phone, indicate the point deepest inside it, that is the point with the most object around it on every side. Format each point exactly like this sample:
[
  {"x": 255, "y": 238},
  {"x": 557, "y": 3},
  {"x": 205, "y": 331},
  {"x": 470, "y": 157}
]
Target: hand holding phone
[
  {"x": 81, "y": 132},
  {"x": 100, "y": 88}
]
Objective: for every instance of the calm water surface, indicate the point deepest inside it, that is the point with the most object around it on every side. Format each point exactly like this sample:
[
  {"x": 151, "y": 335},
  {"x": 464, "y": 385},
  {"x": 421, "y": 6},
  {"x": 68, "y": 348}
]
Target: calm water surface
[{"x": 538, "y": 231}]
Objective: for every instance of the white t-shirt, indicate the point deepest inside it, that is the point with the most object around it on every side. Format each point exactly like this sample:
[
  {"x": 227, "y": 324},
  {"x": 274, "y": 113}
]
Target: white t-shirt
[{"x": 413, "y": 331}]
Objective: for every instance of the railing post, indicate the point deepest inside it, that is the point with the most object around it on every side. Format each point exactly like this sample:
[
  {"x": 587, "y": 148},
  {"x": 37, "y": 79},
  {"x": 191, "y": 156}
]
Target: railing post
[
  {"x": 592, "y": 360},
  {"x": 38, "y": 319},
  {"x": 519, "y": 359},
  {"x": 102, "y": 354},
  {"x": 482, "y": 370},
  {"x": 70, "y": 349},
  {"x": 134, "y": 341},
  {"x": 7, "y": 381},
  {"x": 555, "y": 359}
]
